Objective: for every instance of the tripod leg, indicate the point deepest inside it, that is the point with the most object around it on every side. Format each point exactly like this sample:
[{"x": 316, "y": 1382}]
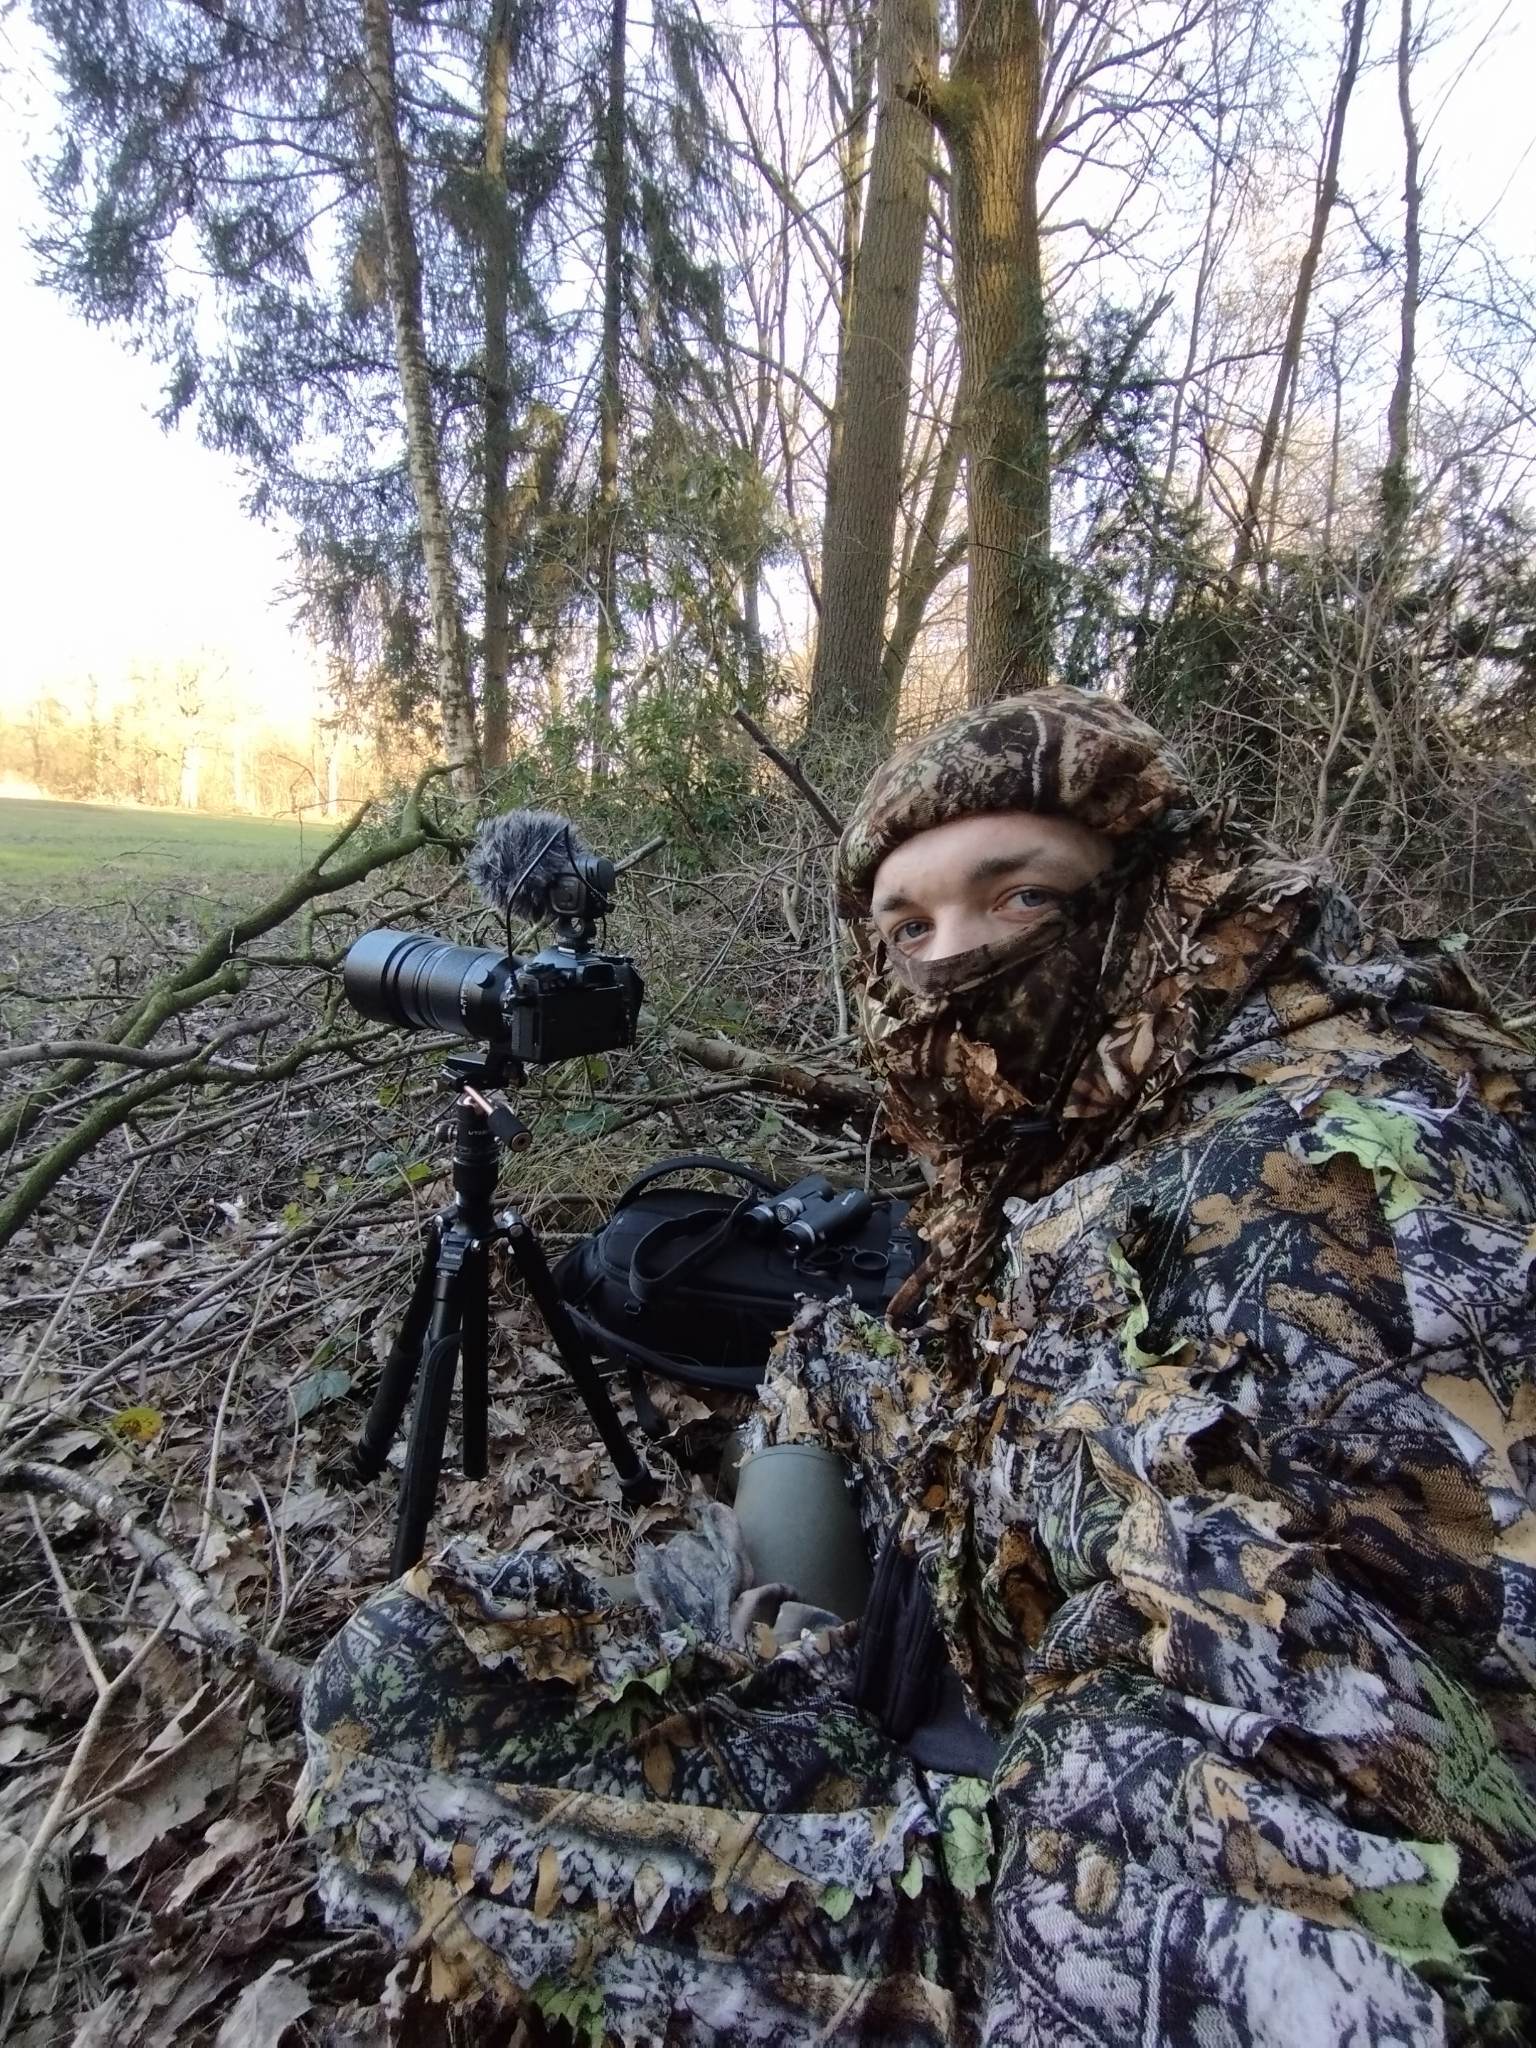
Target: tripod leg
[
  {"x": 473, "y": 1344},
  {"x": 398, "y": 1376},
  {"x": 429, "y": 1423},
  {"x": 637, "y": 1484}
]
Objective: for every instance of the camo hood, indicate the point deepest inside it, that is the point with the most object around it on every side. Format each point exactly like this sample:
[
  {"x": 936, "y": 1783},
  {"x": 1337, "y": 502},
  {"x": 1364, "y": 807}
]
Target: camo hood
[
  {"x": 1012, "y": 1069},
  {"x": 1059, "y": 753}
]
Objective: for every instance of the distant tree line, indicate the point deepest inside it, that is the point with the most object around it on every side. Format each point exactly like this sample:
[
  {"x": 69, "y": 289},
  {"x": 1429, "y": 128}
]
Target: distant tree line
[{"x": 174, "y": 738}]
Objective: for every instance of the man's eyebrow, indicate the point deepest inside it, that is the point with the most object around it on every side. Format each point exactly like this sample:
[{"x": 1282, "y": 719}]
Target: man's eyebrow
[
  {"x": 1037, "y": 859},
  {"x": 999, "y": 864},
  {"x": 896, "y": 901}
]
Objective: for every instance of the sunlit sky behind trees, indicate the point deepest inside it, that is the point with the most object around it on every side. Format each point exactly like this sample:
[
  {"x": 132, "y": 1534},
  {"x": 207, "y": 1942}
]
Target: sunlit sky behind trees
[
  {"x": 126, "y": 544},
  {"x": 121, "y": 543}
]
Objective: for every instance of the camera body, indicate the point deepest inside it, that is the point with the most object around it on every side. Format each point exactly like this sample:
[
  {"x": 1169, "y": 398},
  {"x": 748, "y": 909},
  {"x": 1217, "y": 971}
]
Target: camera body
[
  {"x": 552, "y": 1005},
  {"x": 556, "y": 1004}
]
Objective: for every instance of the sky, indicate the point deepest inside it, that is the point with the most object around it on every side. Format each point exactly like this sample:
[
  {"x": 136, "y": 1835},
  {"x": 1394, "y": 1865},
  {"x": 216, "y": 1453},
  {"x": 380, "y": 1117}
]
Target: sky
[{"x": 122, "y": 543}]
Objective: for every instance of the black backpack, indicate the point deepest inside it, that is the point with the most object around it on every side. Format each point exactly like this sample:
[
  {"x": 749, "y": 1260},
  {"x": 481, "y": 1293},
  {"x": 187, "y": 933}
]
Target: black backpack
[{"x": 679, "y": 1284}]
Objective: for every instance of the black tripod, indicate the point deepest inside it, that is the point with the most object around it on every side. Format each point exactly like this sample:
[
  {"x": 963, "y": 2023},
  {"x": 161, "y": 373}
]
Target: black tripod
[{"x": 447, "y": 1318}]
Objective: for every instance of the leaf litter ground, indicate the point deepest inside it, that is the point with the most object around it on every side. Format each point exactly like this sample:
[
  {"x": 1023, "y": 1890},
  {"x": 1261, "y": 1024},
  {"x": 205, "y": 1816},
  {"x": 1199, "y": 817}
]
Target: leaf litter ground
[{"x": 192, "y": 1326}]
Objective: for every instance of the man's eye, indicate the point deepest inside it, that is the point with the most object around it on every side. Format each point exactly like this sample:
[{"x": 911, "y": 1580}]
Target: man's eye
[
  {"x": 910, "y": 931},
  {"x": 1030, "y": 899}
]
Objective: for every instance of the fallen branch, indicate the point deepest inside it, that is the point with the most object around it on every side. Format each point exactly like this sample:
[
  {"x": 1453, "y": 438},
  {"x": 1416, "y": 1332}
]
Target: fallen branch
[
  {"x": 214, "y": 969},
  {"x": 639, "y": 853},
  {"x": 119, "y": 1104},
  {"x": 842, "y": 1094},
  {"x": 791, "y": 769},
  {"x": 105, "y": 1053},
  {"x": 212, "y": 1624}
]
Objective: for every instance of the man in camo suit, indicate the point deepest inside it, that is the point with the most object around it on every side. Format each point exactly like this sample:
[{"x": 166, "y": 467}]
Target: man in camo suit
[{"x": 1208, "y": 1428}]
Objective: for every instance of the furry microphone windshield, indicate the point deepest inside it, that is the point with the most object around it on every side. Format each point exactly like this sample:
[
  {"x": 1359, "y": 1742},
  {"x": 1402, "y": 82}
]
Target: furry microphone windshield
[{"x": 518, "y": 857}]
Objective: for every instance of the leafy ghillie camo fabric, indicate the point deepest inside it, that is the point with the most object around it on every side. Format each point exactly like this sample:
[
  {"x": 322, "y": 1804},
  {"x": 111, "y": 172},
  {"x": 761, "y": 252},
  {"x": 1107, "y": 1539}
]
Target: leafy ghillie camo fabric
[
  {"x": 655, "y": 1837},
  {"x": 1060, "y": 753},
  {"x": 1227, "y": 1505},
  {"x": 1231, "y": 1529}
]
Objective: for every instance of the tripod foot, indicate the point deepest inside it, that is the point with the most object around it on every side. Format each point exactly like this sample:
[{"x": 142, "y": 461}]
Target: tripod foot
[{"x": 640, "y": 1489}]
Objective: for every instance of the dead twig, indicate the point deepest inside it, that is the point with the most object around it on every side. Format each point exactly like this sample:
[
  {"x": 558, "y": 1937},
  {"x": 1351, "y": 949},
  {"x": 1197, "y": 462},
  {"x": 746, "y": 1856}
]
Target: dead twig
[
  {"x": 211, "y": 1623},
  {"x": 28, "y": 1372},
  {"x": 222, "y": 1284},
  {"x": 104, "y": 1053},
  {"x": 210, "y": 1485},
  {"x": 639, "y": 853},
  {"x": 790, "y": 768},
  {"x": 842, "y": 1094},
  {"x": 28, "y": 1870}
]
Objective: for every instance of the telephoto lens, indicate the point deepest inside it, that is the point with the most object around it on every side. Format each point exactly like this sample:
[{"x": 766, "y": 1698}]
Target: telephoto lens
[{"x": 420, "y": 983}]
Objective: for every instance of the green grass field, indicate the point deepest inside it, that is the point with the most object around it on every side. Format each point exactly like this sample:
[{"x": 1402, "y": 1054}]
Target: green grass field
[{"x": 58, "y": 851}]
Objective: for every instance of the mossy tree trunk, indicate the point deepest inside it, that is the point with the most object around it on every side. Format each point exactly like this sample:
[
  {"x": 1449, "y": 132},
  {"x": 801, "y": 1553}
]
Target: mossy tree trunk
[
  {"x": 988, "y": 110},
  {"x": 850, "y": 683}
]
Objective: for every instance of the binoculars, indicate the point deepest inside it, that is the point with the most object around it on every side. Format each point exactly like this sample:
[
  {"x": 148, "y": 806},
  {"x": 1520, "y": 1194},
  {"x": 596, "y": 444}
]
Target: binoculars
[{"x": 810, "y": 1213}]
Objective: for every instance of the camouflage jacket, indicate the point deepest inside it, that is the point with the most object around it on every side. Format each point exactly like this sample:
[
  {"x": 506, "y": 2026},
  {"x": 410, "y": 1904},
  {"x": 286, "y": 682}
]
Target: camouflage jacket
[
  {"x": 1232, "y": 1531},
  {"x": 1230, "y": 1525}
]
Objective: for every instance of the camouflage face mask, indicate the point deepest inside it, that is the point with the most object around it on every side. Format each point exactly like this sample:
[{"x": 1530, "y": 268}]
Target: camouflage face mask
[
  {"x": 1012, "y": 1072},
  {"x": 993, "y": 1034},
  {"x": 998, "y": 1034}
]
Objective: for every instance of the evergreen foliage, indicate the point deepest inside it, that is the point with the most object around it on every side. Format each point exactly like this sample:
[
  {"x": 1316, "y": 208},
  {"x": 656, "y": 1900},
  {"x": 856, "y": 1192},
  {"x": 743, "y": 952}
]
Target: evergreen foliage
[{"x": 214, "y": 195}]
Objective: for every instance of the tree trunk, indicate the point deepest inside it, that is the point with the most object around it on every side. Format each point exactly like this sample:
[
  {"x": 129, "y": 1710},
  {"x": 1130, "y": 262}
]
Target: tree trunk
[
  {"x": 988, "y": 110},
  {"x": 402, "y": 266},
  {"x": 752, "y": 634},
  {"x": 495, "y": 508},
  {"x": 853, "y": 149},
  {"x": 610, "y": 400},
  {"x": 1396, "y": 489},
  {"x": 848, "y": 680},
  {"x": 1301, "y": 298},
  {"x": 931, "y": 562}
]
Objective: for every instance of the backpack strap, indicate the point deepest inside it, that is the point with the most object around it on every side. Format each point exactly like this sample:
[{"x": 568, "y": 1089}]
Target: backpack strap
[
  {"x": 649, "y": 1277},
  {"x": 618, "y": 1345},
  {"x": 698, "y": 1162}
]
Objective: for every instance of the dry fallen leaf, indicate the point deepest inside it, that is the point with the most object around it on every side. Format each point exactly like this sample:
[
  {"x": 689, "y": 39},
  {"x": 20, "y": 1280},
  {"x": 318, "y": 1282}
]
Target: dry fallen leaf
[
  {"x": 169, "y": 2000},
  {"x": 172, "y": 1790},
  {"x": 265, "y": 2010},
  {"x": 26, "y": 1944},
  {"x": 307, "y": 1510},
  {"x": 18, "y": 1741},
  {"x": 103, "y": 2026},
  {"x": 234, "y": 1836}
]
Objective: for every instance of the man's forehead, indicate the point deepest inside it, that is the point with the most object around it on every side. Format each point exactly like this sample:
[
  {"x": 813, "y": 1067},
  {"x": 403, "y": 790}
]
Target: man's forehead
[{"x": 980, "y": 847}]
